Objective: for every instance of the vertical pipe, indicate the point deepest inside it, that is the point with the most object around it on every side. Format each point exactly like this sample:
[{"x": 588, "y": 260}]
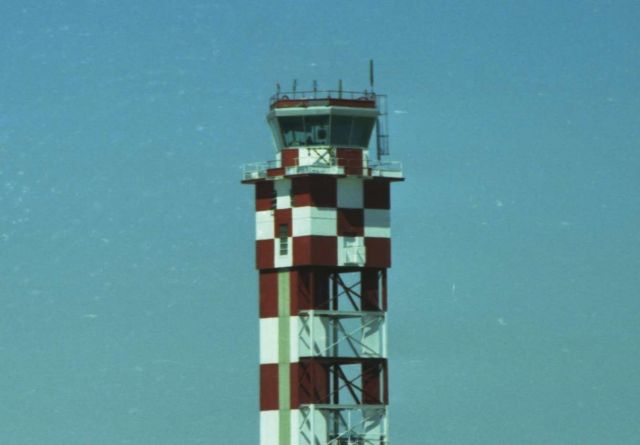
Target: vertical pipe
[{"x": 334, "y": 334}]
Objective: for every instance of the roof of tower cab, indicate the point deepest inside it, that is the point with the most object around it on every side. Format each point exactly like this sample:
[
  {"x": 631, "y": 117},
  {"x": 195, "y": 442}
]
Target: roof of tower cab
[
  {"x": 326, "y": 133},
  {"x": 304, "y": 99}
]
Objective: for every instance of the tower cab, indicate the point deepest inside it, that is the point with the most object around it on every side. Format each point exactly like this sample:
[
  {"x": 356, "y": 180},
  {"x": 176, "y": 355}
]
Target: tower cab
[
  {"x": 330, "y": 134},
  {"x": 316, "y": 133}
]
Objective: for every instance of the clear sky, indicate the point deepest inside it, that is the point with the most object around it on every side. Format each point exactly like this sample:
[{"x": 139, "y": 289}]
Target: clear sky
[{"x": 128, "y": 298}]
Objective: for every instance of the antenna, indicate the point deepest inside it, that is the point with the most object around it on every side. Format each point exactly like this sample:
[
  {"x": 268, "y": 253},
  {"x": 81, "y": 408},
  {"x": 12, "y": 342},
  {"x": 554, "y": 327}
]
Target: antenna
[
  {"x": 315, "y": 88},
  {"x": 340, "y": 89},
  {"x": 295, "y": 84},
  {"x": 382, "y": 137},
  {"x": 371, "y": 74},
  {"x": 379, "y": 135}
]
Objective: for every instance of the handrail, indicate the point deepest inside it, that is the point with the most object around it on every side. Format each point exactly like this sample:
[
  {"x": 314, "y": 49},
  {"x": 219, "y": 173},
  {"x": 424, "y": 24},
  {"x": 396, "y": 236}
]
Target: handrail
[
  {"x": 372, "y": 167},
  {"x": 352, "y": 429},
  {"x": 348, "y": 336},
  {"x": 323, "y": 94}
]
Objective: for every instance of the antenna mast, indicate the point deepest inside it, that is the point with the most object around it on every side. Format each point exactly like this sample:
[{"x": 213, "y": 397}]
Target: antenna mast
[
  {"x": 382, "y": 138},
  {"x": 371, "y": 74},
  {"x": 378, "y": 132}
]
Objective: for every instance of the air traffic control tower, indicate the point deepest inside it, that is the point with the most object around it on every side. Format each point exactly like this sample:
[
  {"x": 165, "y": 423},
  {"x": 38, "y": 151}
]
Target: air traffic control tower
[{"x": 323, "y": 247}]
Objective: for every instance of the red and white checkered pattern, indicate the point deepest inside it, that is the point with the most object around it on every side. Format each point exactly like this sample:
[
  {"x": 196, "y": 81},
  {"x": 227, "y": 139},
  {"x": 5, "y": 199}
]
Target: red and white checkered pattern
[{"x": 330, "y": 221}]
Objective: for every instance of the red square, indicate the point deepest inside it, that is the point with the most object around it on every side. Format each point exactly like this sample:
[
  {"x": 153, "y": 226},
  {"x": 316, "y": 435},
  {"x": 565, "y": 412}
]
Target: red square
[
  {"x": 351, "y": 160},
  {"x": 350, "y": 222},
  {"x": 268, "y": 294},
  {"x": 378, "y": 252},
  {"x": 289, "y": 157},
  {"x": 315, "y": 191},
  {"x": 264, "y": 254},
  {"x": 315, "y": 251},
  {"x": 264, "y": 195},
  {"x": 376, "y": 194},
  {"x": 269, "y": 387}
]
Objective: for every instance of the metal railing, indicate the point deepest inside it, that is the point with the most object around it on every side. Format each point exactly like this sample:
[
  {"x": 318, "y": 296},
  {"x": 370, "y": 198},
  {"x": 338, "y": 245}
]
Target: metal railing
[
  {"x": 379, "y": 168},
  {"x": 325, "y": 333},
  {"x": 371, "y": 168},
  {"x": 316, "y": 94},
  {"x": 258, "y": 170},
  {"x": 343, "y": 425}
]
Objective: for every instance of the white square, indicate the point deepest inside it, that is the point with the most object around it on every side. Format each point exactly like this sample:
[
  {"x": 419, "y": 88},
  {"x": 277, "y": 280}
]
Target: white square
[
  {"x": 350, "y": 193},
  {"x": 264, "y": 225},
  {"x": 314, "y": 221},
  {"x": 269, "y": 427},
  {"x": 268, "y": 340},
  {"x": 351, "y": 251},
  {"x": 295, "y": 429},
  {"x": 283, "y": 193},
  {"x": 377, "y": 223}
]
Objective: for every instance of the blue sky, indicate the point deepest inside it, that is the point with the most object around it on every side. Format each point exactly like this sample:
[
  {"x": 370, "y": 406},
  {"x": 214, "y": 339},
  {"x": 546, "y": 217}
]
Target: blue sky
[{"x": 128, "y": 298}]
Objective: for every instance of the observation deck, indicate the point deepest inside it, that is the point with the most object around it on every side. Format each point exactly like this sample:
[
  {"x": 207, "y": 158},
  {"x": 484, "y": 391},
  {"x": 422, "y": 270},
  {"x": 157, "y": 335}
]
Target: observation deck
[
  {"x": 336, "y": 167},
  {"x": 315, "y": 98},
  {"x": 326, "y": 133}
]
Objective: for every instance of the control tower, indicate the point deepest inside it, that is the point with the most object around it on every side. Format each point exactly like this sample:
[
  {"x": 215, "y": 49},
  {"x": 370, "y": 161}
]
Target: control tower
[{"x": 323, "y": 247}]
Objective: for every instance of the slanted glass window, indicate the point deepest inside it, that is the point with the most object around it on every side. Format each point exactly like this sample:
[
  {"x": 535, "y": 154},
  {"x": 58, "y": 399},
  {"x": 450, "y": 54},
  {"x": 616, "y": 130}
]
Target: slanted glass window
[
  {"x": 307, "y": 130},
  {"x": 337, "y": 130},
  {"x": 317, "y": 130},
  {"x": 275, "y": 133},
  {"x": 361, "y": 131},
  {"x": 292, "y": 128},
  {"x": 340, "y": 130}
]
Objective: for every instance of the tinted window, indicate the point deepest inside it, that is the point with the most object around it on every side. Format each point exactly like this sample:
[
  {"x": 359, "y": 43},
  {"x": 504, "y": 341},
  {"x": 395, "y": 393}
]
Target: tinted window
[
  {"x": 316, "y": 130},
  {"x": 340, "y": 130},
  {"x": 292, "y": 130},
  {"x": 308, "y": 130},
  {"x": 346, "y": 131},
  {"x": 361, "y": 131}
]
